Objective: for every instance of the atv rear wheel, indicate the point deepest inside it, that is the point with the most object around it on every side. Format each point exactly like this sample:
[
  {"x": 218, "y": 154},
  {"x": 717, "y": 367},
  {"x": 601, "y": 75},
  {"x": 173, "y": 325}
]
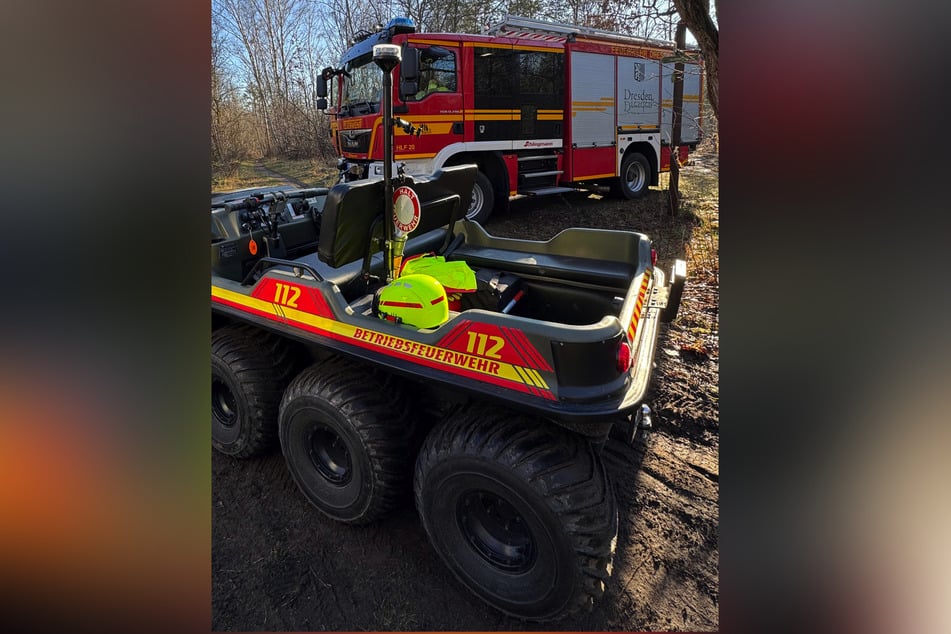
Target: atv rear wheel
[
  {"x": 520, "y": 511},
  {"x": 347, "y": 437},
  {"x": 249, "y": 371}
]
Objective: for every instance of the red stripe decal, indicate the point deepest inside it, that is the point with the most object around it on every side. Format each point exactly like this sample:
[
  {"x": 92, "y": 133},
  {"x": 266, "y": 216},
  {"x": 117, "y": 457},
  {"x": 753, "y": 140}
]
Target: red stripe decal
[
  {"x": 453, "y": 334},
  {"x": 542, "y": 363},
  {"x": 401, "y": 304},
  {"x": 536, "y": 356},
  {"x": 506, "y": 332}
]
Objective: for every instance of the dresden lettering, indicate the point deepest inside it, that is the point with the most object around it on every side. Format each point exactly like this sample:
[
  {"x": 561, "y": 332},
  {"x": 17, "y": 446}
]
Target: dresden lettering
[{"x": 638, "y": 101}]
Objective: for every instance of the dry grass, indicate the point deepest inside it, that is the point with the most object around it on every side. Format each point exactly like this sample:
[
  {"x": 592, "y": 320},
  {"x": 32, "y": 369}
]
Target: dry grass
[
  {"x": 702, "y": 194},
  {"x": 239, "y": 175},
  {"x": 270, "y": 171},
  {"x": 313, "y": 172}
]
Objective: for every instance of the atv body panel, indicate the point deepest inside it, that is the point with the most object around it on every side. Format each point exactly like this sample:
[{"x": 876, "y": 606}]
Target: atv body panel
[{"x": 585, "y": 293}]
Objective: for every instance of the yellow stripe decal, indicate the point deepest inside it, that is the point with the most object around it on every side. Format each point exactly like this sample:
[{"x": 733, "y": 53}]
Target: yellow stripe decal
[
  {"x": 415, "y": 156},
  {"x": 250, "y": 302},
  {"x": 517, "y": 47},
  {"x": 524, "y": 376},
  {"x": 539, "y": 381},
  {"x": 638, "y": 307},
  {"x": 431, "y": 128},
  {"x": 543, "y": 49},
  {"x": 435, "y": 42},
  {"x": 432, "y": 118},
  {"x": 590, "y": 176},
  {"x": 485, "y": 45},
  {"x": 670, "y": 102}
]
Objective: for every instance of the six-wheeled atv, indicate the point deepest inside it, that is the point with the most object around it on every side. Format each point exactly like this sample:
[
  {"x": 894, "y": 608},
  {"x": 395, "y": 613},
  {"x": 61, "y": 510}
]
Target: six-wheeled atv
[{"x": 486, "y": 381}]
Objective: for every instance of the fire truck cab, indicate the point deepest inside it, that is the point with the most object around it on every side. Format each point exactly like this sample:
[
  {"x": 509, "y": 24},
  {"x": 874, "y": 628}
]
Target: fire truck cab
[{"x": 540, "y": 107}]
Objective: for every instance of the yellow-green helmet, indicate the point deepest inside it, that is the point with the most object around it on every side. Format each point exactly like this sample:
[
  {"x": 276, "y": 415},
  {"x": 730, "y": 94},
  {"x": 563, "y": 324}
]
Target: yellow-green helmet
[
  {"x": 416, "y": 300},
  {"x": 456, "y": 277}
]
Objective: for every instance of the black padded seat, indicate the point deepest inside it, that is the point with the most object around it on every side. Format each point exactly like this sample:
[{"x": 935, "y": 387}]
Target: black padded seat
[
  {"x": 587, "y": 256},
  {"x": 351, "y": 209},
  {"x": 343, "y": 276}
]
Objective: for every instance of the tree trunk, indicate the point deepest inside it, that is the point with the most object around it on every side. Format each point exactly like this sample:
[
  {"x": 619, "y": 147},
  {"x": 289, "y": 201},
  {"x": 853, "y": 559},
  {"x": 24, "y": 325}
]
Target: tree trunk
[
  {"x": 678, "y": 107},
  {"x": 696, "y": 14}
]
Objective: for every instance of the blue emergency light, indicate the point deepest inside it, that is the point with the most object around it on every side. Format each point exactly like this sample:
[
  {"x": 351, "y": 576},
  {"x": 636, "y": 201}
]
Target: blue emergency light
[{"x": 401, "y": 25}]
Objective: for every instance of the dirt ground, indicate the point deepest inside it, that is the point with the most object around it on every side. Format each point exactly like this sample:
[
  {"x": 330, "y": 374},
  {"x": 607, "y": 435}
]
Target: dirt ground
[{"x": 278, "y": 564}]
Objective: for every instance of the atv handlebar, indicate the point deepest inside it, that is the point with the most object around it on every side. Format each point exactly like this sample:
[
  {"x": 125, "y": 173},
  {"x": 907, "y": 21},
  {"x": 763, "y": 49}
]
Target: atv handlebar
[{"x": 253, "y": 202}]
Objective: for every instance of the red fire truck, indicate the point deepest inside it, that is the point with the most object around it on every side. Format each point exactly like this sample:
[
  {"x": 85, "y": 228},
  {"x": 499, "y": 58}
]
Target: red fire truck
[{"x": 540, "y": 107}]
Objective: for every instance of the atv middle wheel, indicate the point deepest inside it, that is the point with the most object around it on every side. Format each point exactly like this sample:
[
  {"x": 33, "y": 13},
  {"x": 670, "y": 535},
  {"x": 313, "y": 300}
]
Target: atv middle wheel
[
  {"x": 521, "y": 512},
  {"x": 348, "y": 439}
]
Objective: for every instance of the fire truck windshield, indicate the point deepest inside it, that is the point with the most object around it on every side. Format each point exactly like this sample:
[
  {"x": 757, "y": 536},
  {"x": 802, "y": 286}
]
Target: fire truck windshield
[{"x": 361, "y": 90}]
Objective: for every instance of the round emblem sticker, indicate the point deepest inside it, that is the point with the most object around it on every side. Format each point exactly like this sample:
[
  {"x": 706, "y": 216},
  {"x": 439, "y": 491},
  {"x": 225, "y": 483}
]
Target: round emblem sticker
[{"x": 405, "y": 209}]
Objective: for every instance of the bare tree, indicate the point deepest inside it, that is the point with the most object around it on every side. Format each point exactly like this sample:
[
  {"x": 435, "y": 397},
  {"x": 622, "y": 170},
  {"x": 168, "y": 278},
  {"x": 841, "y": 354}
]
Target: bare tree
[
  {"x": 274, "y": 45},
  {"x": 696, "y": 15}
]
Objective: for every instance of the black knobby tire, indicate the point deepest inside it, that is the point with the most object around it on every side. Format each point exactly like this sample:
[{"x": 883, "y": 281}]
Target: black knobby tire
[
  {"x": 348, "y": 438},
  {"x": 635, "y": 178},
  {"x": 249, "y": 371},
  {"x": 482, "y": 201},
  {"x": 520, "y": 511}
]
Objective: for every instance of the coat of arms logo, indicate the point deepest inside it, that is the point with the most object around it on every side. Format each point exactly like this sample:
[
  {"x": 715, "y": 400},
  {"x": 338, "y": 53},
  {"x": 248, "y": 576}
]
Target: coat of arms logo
[{"x": 639, "y": 71}]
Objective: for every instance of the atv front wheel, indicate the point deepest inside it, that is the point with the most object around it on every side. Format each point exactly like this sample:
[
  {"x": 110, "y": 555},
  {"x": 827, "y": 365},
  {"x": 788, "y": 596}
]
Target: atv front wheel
[
  {"x": 347, "y": 436},
  {"x": 520, "y": 511},
  {"x": 249, "y": 371}
]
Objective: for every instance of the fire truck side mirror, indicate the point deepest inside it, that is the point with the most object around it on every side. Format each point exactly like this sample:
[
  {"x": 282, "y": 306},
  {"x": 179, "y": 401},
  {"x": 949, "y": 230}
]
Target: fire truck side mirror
[
  {"x": 321, "y": 103},
  {"x": 321, "y": 87},
  {"x": 409, "y": 72}
]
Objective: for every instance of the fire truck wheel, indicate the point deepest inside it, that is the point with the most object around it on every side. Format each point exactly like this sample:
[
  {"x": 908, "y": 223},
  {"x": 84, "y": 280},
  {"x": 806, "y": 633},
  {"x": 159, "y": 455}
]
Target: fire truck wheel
[
  {"x": 635, "y": 177},
  {"x": 483, "y": 199},
  {"x": 520, "y": 511},
  {"x": 249, "y": 371},
  {"x": 347, "y": 436}
]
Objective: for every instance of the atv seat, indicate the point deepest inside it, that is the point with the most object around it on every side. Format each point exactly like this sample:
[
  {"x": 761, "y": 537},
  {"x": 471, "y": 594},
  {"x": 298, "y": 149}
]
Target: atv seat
[{"x": 352, "y": 219}]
